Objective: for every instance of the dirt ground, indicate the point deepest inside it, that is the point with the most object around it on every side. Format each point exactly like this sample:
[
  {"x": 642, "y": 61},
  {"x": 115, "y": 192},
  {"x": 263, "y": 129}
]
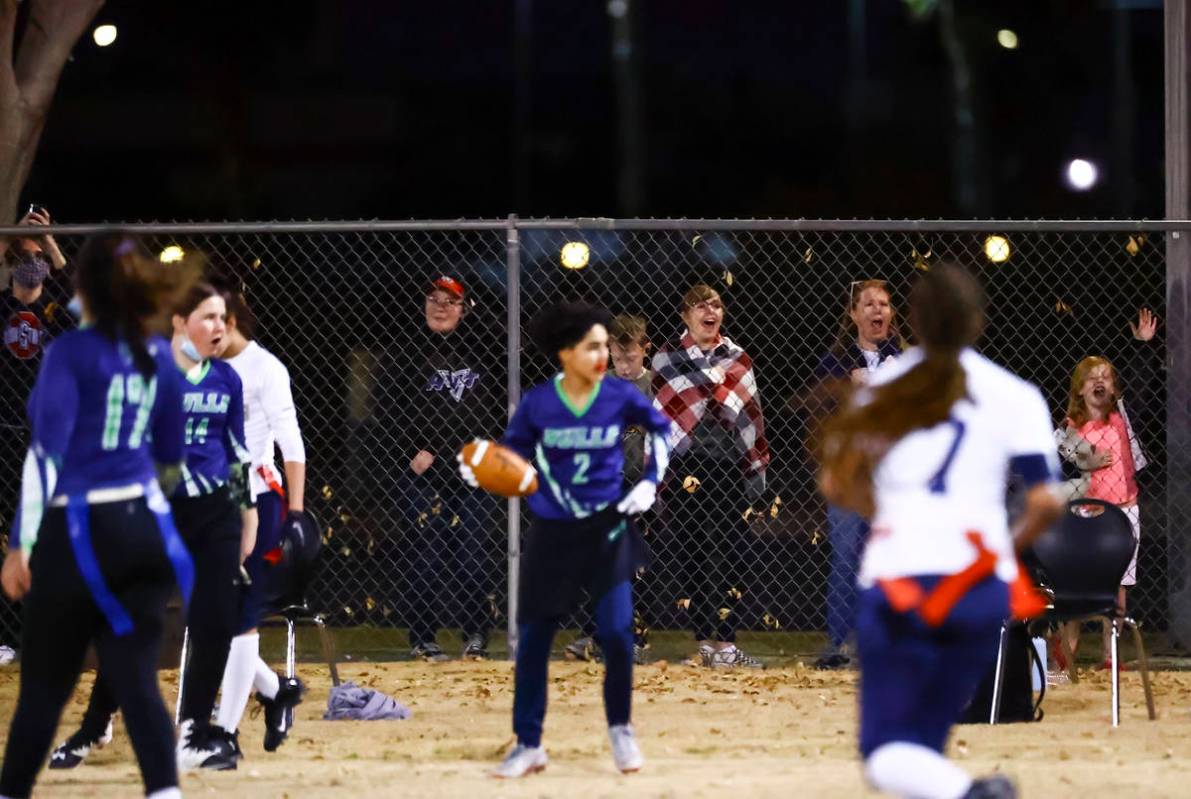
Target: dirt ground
[{"x": 779, "y": 732}]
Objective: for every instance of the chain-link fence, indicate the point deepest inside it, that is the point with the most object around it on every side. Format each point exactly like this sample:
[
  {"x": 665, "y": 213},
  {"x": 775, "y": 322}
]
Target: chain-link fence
[{"x": 391, "y": 374}]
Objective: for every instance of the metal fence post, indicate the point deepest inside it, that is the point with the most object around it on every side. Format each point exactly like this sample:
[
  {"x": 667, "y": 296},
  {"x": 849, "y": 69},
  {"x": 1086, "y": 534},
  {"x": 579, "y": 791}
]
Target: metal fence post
[{"x": 514, "y": 386}]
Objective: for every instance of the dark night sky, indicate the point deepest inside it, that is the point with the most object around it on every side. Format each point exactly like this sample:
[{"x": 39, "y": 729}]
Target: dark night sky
[{"x": 395, "y": 110}]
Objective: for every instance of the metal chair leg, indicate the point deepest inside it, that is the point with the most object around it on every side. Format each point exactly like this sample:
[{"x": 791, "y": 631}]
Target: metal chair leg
[
  {"x": 182, "y": 674},
  {"x": 994, "y": 712},
  {"x": 1143, "y": 662},
  {"x": 328, "y": 648},
  {"x": 290, "y": 648},
  {"x": 1114, "y": 649}
]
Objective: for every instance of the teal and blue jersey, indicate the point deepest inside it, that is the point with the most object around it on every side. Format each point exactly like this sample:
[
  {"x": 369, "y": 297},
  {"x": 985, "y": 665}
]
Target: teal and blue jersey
[
  {"x": 213, "y": 406},
  {"x": 578, "y": 451},
  {"x": 96, "y": 422}
]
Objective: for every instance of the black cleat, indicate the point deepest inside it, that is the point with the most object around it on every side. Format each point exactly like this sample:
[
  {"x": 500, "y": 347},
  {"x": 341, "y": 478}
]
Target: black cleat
[
  {"x": 997, "y": 786},
  {"x": 74, "y": 750},
  {"x": 204, "y": 747},
  {"x": 278, "y": 711}
]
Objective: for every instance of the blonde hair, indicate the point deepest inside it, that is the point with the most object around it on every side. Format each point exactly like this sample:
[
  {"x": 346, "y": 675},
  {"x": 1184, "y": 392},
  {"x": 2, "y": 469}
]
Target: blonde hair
[
  {"x": 1077, "y": 409},
  {"x": 626, "y": 329}
]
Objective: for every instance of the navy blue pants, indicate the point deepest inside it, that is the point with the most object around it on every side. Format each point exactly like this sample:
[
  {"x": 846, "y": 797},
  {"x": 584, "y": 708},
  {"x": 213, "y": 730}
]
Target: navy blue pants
[
  {"x": 448, "y": 535},
  {"x": 847, "y": 532},
  {"x": 915, "y": 680},
  {"x": 270, "y": 510},
  {"x": 614, "y": 632}
]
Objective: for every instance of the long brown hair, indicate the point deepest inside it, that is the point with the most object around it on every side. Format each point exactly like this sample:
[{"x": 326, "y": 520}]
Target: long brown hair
[
  {"x": 1077, "y": 409},
  {"x": 947, "y": 315},
  {"x": 127, "y": 292},
  {"x": 847, "y": 334}
]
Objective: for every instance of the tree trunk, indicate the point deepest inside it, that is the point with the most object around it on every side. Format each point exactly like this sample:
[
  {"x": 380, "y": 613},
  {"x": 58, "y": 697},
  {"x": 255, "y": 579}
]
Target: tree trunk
[
  {"x": 28, "y": 82},
  {"x": 968, "y": 190}
]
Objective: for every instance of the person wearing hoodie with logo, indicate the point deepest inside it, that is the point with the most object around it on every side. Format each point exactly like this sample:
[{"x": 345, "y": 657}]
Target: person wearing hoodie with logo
[
  {"x": 435, "y": 393},
  {"x": 31, "y": 313}
]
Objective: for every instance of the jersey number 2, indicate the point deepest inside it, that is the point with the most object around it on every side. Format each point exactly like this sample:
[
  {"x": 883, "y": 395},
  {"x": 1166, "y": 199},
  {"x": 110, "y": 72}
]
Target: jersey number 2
[{"x": 938, "y": 483}]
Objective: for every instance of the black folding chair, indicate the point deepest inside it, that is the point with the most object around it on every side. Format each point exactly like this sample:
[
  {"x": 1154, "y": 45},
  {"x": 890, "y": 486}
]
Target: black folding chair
[{"x": 1080, "y": 561}]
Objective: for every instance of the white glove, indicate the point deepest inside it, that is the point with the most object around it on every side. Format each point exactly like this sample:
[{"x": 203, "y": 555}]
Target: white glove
[
  {"x": 639, "y": 499},
  {"x": 465, "y": 471}
]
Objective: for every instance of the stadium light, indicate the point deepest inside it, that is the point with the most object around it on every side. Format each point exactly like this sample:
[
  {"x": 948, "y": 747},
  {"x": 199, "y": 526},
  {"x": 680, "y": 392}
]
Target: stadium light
[
  {"x": 996, "y": 249},
  {"x": 575, "y": 255},
  {"x": 172, "y": 254},
  {"x": 104, "y": 35},
  {"x": 1082, "y": 174},
  {"x": 1007, "y": 39}
]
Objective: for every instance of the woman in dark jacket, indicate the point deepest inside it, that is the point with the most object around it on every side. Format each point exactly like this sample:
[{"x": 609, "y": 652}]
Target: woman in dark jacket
[{"x": 867, "y": 337}]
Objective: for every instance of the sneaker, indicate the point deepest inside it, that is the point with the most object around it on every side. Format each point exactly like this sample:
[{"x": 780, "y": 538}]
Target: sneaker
[
  {"x": 74, "y": 750},
  {"x": 521, "y": 761},
  {"x": 431, "y": 653},
  {"x": 730, "y": 657},
  {"x": 278, "y": 710},
  {"x": 833, "y": 662},
  {"x": 640, "y": 655},
  {"x": 625, "y": 752},
  {"x": 701, "y": 657},
  {"x": 476, "y": 647},
  {"x": 997, "y": 786},
  {"x": 584, "y": 648},
  {"x": 7, "y": 655},
  {"x": 204, "y": 747},
  {"x": 232, "y": 739}
]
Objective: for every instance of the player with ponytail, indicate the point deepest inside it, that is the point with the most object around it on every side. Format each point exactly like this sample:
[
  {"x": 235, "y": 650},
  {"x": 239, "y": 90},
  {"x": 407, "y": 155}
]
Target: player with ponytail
[
  {"x": 924, "y": 451},
  {"x": 94, "y": 551}
]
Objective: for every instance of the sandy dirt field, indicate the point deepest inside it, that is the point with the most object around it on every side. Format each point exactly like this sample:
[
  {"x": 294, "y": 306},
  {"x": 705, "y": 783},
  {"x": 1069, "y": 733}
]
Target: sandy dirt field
[{"x": 779, "y": 732}]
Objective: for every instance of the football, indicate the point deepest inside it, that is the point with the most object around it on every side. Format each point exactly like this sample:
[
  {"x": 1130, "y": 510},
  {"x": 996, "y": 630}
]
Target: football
[{"x": 498, "y": 470}]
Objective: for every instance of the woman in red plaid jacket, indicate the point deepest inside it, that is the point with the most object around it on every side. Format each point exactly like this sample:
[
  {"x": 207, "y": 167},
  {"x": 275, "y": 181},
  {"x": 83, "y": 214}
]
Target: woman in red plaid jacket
[{"x": 705, "y": 384}]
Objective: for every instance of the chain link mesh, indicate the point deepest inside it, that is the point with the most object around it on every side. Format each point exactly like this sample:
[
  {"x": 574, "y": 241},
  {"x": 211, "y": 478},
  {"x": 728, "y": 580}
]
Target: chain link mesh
[{"x": 347, "y": 313}]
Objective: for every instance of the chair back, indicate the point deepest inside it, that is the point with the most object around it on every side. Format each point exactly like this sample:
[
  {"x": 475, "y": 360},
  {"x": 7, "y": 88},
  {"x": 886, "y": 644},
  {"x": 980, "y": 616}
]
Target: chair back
[
  {"x": 1085, "y": 554},
  {"x": 287, "y": 577}
]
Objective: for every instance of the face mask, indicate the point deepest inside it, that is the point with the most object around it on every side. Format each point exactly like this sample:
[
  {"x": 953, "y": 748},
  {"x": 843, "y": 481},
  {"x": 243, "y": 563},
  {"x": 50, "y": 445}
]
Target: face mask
[
  {"x": 30, "y": 270},
  {"x": 190, "y": 351},
  {"x": 75, "y": 307}
]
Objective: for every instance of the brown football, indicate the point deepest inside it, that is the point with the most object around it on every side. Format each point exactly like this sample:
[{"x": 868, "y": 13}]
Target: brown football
[{"x": 499, "y": 470}]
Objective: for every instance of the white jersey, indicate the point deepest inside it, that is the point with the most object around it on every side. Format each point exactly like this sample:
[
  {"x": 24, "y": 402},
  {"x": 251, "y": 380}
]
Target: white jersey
[
  {"x": 937, "y": 484},
  {"x": 269, "y": 414}
]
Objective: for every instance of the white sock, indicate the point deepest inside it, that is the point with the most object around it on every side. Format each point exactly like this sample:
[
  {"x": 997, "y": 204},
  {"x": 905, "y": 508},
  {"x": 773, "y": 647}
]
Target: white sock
[
  {"x": 237, "y": 680},
  {"x": 265, "y": 679},
  {"x": 913, "y": 770},
  {"x": 166, "y": 793}
]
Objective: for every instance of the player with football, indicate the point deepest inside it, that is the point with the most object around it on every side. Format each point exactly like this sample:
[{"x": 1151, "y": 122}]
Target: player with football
[
  {"x": 924, "y": 450},
  {"x": 582, "y": 535}
]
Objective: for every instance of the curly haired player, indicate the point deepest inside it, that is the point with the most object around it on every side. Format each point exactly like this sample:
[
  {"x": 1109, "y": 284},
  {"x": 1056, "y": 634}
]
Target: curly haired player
[{"x": 582, "y": 536}]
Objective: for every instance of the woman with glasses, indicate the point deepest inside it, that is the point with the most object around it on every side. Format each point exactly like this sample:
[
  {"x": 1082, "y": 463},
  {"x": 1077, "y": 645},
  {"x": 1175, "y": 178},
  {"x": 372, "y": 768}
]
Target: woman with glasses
[
  {"x": 705, "y": 384},
  {"x": 441, "y": 387}
]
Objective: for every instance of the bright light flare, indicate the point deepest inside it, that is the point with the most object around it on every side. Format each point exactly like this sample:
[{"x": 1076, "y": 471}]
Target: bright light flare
[
  {"x": 104, "y": 35},
  {"x": 1007, "y": 39},
  {"x": 575, "y": 255},
  {"x": 172, "y": 254},
  {"x": 1082, "y": 174},
  {"x": 996, "y": 249}
]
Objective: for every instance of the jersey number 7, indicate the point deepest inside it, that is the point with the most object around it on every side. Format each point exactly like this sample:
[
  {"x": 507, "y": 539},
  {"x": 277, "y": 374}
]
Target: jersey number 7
[{"x": 938, "y": 483}]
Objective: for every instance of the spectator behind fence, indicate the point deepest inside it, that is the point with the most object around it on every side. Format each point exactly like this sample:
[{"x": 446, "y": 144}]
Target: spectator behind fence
[
  {"x": 867, "y": 336},
  {"x": 441, "y": 390},
  {"x": 1100, "y": 437},
  {"x": 628, "y": 344},
  {"x": 32, "y": 311},
  {"x": 705, "y": 384}
]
